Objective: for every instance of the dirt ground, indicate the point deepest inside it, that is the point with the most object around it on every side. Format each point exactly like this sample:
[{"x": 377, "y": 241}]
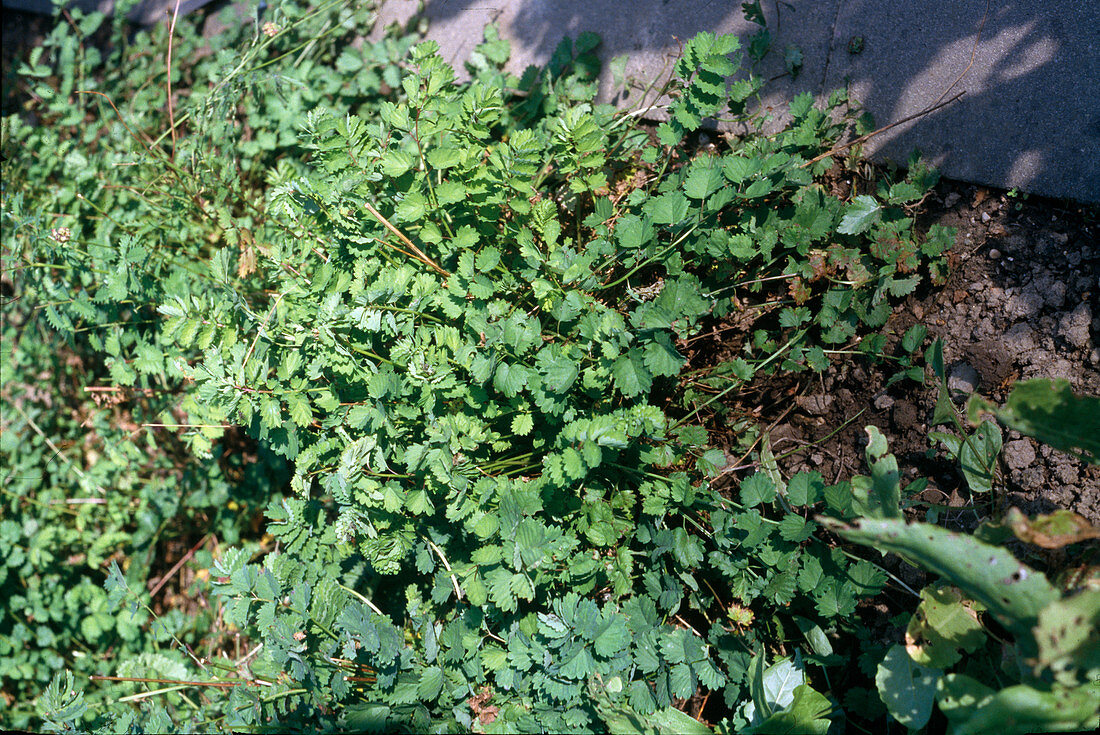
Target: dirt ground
[{"x": 1022, "y": 301}]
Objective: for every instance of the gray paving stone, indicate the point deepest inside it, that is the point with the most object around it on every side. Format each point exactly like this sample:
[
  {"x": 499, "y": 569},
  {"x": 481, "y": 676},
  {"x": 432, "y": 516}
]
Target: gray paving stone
[{"x": 1029, "y": 117}]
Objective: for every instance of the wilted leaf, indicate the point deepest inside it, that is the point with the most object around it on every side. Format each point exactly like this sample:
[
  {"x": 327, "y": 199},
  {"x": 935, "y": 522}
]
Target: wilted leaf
[
  {"x": 944, "y": 624},
  {"x": 1053, "y": 530}
]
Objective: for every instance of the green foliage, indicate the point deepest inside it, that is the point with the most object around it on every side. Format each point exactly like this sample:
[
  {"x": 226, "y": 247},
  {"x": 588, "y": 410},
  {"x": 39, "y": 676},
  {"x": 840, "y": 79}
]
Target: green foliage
[
  {"x": 99, "y": 226},
  {"x": 61, "y": 706},
  {"x": 944, "y": 626},
  {"x": 907, "y": 689},
  {"x": 452, "y": 321},
  {"x": 1049, "y": 678},
  {"x": 976, "y": 452},
  {"x": 1049, "y": 411}
]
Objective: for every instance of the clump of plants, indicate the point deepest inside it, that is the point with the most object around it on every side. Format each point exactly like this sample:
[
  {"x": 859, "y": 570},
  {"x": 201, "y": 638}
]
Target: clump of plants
[
  {"x": 100, "y": 220},
  {"x": 994, "y": 644},
  {"x": 456, "y": 315}
]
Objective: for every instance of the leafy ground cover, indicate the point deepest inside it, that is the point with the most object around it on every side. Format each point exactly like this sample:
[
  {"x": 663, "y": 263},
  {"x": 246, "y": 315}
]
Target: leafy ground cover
[{"x": 380, "y": 402}]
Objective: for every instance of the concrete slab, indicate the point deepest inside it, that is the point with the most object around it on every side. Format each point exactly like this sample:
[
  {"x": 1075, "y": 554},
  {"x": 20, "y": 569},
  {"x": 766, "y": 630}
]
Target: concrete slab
[
  {"x": 649, "y": 32},
  {"x": 1029, "y": 117},
  {"x": 1030, "y": 72}
]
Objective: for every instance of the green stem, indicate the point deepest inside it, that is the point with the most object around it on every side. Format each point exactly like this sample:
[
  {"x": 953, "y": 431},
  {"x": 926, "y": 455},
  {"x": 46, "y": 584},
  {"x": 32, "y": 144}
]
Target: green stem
[
  {"x": 671, "y": 246},
  {"x": 739, "y": 284},
  {"x": 887, "y": 572},
  {"x": 370, "y": 354},
  {"x": 776, "y": 354}
]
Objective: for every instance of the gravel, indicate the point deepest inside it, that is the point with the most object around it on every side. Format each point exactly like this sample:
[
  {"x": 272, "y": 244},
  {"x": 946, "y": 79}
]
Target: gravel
[
  {"x": 1074, "y": 327},
  {"x": 962, "y": 378}
]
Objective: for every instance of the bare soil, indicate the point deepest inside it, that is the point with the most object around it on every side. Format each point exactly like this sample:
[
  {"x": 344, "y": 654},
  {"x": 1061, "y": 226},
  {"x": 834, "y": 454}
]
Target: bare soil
[{"x": 1022, "y": 301}]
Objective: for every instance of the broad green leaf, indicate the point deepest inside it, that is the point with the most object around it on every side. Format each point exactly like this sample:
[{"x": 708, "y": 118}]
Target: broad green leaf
[
  {"x": 668, "y": 209},
  {"x": 300, "y": 411},
  {"x": 806, "y": 713},
  {"x": 573, "y": 463},
  {"x": 959, "y": 696},
  {"x": 773, "y": 688},
  {"x": 906, "y": 688},
  {"x": 663, "y": 359},
  {"x": 944, "y": 626},
  {"x": 686, "y": 548},
  {"x": 1049, "y": 411},
  {"x": 860, "y": 215},
  {"x": 795, "y": 528},
  {"x": 756, "y": 489},
  {"x": 712, "y": 462},
  {"x": 913, "y": 338},
  {"x": 1068, "y": 636},
  {"x": 431, "y": 683},
  {"x": 737, "y": 168},
  {"x": 613, "y": 637},
  {"x": 815, "y": 636},
  {"x": 475, "y": 590},
  {"x": 989, "y": 574},
  {"x": 671, "y": 721},
  {"x": 631, "y": 376},
  {"x": 559, "y": 374},
  {"x": 758, "y": 188},
  {"x": 522, "y": 424},
  {"x": 681, "y": 682},
  {"x": 805, "y": 488},
  {"x": 397, "y": 162},
  {"x": 804, "y": 102},
  {"x": 704, "y": 178},
  {"x": 880, "y": 495},
  {"x": 640, "y": 716},
  {"x": 668, "y": 134},
  {"x": 509, "y": 379},
  {"x": 578, "y": 663},
  {"x": 1020, "y": 708},
  {"x": 978, "y": 456},
  {"x": 633, "y": 232}
]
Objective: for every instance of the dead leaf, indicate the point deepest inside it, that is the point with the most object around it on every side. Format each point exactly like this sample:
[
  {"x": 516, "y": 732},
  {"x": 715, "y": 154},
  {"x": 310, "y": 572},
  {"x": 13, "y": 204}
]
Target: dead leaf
[{"x": 1052, "y": 530}]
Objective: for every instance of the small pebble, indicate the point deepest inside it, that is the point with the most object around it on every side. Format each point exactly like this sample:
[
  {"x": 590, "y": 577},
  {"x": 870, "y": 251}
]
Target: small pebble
[
  {"x": 962, "y": 378},
  {"x": 994, "y": 254},
  {"x": 986, "y": 217}
]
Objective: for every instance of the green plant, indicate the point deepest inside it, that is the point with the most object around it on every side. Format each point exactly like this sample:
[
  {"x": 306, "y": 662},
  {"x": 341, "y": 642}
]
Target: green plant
[
  {"x": 975, "y": 452},
  {"x": 1046, "y": 675},
  {"x": 459, "y": 315},
  {"x": 96, "y": 231}
]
